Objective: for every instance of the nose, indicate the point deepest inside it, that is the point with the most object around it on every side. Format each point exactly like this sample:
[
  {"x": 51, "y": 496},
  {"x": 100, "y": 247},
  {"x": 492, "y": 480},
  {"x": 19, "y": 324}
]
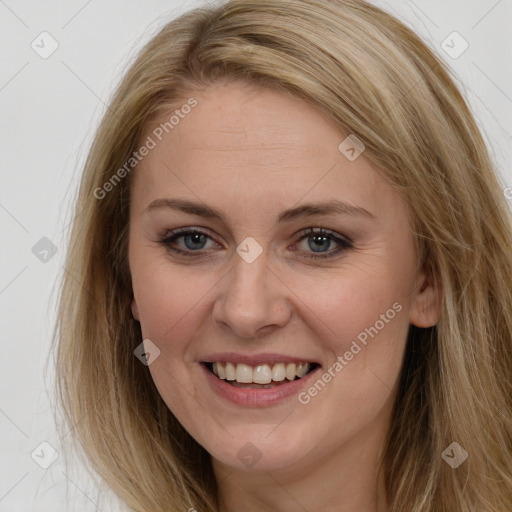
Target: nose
[{"x": 253, "y": 300}]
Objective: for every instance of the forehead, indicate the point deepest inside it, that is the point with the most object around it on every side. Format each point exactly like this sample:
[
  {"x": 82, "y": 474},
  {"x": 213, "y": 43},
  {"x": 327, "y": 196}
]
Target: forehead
[
  {"x": 245, "y": 143},
  {"x": 245, "y": 117}
]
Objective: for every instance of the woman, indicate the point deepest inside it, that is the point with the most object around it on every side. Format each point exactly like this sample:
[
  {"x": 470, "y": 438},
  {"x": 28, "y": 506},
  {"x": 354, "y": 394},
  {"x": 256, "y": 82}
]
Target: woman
[{"x": 256, "y": 370}]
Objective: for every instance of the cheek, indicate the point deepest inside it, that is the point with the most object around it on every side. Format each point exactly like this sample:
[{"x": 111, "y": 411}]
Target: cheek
[
  {"x": 360, "y": 317},
  {"x": 343, "y": 303},
  {"x": 173, "y": 304},
  {"x": 337, "y": 305},
  {"x": 363, "y": 325},
  {"x": 166, "y": 302}
]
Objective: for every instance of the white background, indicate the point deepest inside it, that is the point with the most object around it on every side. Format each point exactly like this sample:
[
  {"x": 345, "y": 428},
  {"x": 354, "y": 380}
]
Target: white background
[{"x": 49, "y": 110}]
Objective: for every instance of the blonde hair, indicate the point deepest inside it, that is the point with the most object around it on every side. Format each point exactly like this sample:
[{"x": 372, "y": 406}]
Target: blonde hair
[{"x": 377, "y": 80}]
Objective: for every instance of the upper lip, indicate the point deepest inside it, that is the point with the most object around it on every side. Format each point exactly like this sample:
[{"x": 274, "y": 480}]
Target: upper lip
[{"x": 255, "y": 359}]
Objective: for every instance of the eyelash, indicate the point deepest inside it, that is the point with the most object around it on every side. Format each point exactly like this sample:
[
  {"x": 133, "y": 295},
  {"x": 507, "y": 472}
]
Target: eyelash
[{"x": 345, "y": 243}]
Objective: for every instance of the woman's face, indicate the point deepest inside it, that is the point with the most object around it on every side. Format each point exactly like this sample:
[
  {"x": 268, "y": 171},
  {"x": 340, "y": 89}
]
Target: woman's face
[{"x": 249, "y": 290}]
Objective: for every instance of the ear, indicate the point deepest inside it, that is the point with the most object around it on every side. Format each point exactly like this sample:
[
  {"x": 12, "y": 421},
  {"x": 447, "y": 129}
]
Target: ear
[
  {"x": 426, "y": 301},
  {"x": 135, "y": 309}
]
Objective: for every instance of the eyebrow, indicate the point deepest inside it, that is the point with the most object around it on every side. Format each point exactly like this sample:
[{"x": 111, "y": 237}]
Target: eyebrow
[{"x": 304, "y": 210}]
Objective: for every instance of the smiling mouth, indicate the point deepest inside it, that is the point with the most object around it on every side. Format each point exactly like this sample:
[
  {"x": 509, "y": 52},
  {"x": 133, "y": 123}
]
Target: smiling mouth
[{"x": 260, "y": 376}]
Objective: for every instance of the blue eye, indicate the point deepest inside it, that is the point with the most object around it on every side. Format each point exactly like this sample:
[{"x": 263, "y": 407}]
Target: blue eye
[
  {"x": 318, "y": 238},
  {"x": 193, "y": 237},
  {"x": 322, "y": 238}
]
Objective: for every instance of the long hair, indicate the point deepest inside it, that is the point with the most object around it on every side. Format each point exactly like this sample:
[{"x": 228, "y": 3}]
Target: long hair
[{"x": 377, "y": 80}]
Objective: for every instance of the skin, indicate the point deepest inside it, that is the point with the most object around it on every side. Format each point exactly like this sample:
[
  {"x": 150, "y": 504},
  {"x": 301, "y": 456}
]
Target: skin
[{"x": 252, "y": 153}]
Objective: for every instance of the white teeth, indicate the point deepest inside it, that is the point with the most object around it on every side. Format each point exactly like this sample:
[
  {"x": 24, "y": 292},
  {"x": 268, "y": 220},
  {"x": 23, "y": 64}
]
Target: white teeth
[
  {"x": 221, "y": 371},
  {"x": 230, "y": 371},
  {"x": 260, "y": 374},
  {"x": 243, "y": 373},
  {"x": 279, "y": 372},
  {"x": 290, "y": 371}
]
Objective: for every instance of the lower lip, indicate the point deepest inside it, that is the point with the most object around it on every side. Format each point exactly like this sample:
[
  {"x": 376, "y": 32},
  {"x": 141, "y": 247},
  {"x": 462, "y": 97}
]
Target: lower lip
[{"x": 257, "y": 397}]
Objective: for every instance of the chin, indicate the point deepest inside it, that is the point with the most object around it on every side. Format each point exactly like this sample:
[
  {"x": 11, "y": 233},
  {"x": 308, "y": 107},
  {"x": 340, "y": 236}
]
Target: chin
[{"x": 260, "y": 451}]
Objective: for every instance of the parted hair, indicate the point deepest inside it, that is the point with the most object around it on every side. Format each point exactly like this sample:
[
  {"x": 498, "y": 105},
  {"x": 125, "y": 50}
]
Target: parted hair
[{"x": 376, "y": 79}]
